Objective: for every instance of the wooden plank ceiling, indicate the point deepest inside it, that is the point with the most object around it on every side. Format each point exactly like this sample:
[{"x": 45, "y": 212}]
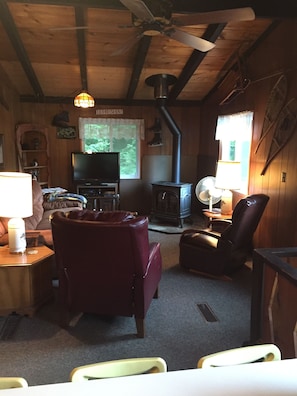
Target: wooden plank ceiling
[{"x": 48, "y": 60}]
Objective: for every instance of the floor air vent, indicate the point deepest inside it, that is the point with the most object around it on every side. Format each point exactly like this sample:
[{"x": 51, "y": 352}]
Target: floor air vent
[
  {"x": 207, "y": 313},
  {"x": 8, "y": 326}
]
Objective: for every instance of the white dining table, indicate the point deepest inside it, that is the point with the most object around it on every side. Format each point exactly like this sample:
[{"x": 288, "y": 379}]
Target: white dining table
[{"x": 270, "y": 378}]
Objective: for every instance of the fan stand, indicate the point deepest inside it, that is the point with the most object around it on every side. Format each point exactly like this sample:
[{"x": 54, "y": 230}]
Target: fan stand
[{"x": 210, "y": 203}]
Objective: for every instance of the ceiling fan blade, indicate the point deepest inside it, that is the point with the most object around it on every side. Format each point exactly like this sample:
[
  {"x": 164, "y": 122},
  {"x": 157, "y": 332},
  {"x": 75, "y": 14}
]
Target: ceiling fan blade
[
  {"x": 190, "y": 40},
  {"x": 221, "y": 16},
  {"x": 127, "y": 45},
  {"x": 139, "y": 9}
]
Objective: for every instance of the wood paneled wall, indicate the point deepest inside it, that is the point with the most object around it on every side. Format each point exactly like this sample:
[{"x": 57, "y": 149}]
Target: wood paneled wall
[
  {"x": 273, "y": 57},
  {"x": 9, "y": 107}
]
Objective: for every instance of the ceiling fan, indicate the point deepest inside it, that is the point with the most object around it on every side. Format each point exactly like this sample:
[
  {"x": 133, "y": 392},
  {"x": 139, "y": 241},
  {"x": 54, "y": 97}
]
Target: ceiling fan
[{"x": 154, "y": 17}]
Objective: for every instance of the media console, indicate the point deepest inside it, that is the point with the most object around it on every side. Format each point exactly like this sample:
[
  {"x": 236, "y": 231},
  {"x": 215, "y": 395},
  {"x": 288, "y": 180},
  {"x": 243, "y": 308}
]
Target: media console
[{"x": 102, "y": 196}]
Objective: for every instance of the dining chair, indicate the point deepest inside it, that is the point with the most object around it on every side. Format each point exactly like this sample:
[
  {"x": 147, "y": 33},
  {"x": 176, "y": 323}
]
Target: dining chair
[
  {"x": 243, "y": 355},
  {"x": 13, "y": 382},
  {"x": 119, "y": 368}
]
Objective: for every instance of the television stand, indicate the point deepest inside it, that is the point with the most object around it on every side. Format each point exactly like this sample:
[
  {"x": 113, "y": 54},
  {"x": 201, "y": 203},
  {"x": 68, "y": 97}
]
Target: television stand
[{"x": 100, "y": 196}]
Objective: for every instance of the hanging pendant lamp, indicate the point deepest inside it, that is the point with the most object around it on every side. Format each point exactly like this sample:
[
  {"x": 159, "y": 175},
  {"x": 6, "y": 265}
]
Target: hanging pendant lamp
[{"x": 84, "y": 100}]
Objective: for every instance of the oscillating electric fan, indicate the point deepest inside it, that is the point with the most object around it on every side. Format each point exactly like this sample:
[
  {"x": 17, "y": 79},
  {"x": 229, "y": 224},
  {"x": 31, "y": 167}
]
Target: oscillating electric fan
[{"x": 207, "y": 193}]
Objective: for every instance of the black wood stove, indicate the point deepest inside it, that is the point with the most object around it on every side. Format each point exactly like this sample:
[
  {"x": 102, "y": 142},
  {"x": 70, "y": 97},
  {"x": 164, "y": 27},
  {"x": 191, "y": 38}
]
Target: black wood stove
[{"x": 171, "y": 199}]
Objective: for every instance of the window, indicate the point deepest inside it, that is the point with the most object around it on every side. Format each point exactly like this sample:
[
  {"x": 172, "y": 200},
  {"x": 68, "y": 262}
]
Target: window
[
  {"x": 235, "y": 133},
  {"x": 119, "y": 135}
]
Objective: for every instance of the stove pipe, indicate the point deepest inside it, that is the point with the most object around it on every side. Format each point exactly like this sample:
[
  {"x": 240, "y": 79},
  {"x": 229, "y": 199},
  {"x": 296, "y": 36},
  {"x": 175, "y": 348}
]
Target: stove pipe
[{"x": 160, "y": 82}]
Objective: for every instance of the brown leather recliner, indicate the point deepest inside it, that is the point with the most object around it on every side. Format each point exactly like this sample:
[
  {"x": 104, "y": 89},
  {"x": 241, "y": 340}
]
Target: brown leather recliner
[
  {"x": 217, "y": 253},
  {"x": 106, "y": 264}
]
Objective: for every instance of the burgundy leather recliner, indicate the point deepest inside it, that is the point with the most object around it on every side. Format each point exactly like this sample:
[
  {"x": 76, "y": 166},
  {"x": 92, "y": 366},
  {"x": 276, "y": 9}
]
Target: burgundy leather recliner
[
  {"x": 106, "y": 264},
  {"x": 216, "y": 253}
]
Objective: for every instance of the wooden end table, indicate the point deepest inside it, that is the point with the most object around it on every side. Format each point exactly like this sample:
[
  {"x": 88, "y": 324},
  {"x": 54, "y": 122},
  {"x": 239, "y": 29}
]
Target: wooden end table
[{"x": 25, "y": 280}]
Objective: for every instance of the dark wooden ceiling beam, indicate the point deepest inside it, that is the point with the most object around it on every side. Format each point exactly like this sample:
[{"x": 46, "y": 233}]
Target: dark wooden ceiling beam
[
  {"x": 211, "y": 34},
  {"x": 272, "y": 9},
  {"x": 81, "y": 46},
  {"x": 19, "y": 48},
  {"x": 107, "y": 4},
  {"x": 275, "y": 9},
  {"x": 105, "y": 102},
  {"x": 139, "y": 62}
]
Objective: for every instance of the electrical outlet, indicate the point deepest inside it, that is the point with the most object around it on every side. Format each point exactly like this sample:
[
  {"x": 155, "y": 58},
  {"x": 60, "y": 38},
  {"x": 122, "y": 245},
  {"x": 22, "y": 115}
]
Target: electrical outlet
[{"x": 284, "y": 177}]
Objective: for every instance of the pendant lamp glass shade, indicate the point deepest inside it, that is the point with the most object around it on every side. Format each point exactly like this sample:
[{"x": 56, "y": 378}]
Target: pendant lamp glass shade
[{"x": 84, "y": 100}]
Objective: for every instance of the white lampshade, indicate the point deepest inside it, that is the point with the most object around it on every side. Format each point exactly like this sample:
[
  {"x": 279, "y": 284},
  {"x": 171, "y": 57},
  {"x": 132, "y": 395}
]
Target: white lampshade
[
  {"x": 16, "y": 203},
  {"x": 228, "y": 177},
  {"x": 15, "y": 194}
]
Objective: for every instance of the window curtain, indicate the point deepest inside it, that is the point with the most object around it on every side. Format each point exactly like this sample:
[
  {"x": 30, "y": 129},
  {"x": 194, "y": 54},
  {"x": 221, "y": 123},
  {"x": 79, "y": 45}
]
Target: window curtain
[
  {"x": 235, "y": 126},
  {"x": 112, "y": 127}
]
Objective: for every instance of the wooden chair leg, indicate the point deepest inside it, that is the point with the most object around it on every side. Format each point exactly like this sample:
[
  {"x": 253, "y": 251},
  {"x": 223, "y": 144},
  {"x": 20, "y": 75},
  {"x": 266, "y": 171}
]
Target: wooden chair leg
[
  {"x": 140, "y": 327},
  {"x": 156, "y": 295}
]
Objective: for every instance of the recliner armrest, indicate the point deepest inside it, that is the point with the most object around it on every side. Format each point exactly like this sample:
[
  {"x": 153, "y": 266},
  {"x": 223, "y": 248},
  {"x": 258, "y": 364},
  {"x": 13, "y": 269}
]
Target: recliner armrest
[
  {"x": 200, "y": 238},
  {"x": 154, "y": 255},
  {"x": 219, "y": 225},
  {"x": 203, "y": 232}
]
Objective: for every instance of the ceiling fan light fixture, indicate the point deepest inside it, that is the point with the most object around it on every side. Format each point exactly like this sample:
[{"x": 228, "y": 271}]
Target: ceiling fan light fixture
[
  {"x": 153, "y": 29},
  {"x": 84, "y": 100}
]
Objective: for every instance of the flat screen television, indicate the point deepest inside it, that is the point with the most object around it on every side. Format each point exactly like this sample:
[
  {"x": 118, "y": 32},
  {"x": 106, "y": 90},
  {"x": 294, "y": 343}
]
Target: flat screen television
[{"x": 95, "y": 167}]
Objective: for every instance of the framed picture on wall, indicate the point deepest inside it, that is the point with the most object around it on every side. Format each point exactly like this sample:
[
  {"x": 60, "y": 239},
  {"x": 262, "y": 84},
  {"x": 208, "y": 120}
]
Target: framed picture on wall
[
  {"x": 1, "y": 152},
  {"x": 68, "y": 132}
]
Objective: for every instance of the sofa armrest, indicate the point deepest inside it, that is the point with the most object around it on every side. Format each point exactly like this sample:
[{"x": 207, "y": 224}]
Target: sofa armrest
[
  {"x": 3, "y": 231},
  {"x": 4, "y": 239},
  {"x": 61, "y": 204},
  {"x": 63, "y": 200}
]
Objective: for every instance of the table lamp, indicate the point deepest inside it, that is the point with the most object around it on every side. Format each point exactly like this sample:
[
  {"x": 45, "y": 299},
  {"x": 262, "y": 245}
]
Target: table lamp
[
  {"x": 16, "y": 203},
  {"x": 228, "y": 177}
]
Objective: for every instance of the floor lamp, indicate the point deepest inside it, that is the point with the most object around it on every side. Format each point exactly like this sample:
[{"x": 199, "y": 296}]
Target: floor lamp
[
  {"x": 16, "y": 203},
  {"x": 228, "y": 177}
]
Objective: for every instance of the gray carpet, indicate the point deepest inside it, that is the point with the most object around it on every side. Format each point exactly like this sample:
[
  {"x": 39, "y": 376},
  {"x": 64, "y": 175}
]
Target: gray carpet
[
  {"x": 168, "y": 229},
  {"x": 165, "y": 229},
  {"x": 177, "y": 327}
]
